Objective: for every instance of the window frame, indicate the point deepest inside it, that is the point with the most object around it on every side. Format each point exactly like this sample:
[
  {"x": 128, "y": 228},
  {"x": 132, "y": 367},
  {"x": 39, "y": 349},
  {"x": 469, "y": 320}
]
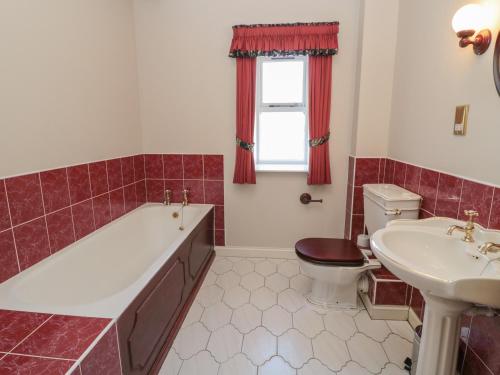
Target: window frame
[{"x": 260, "y": 107}]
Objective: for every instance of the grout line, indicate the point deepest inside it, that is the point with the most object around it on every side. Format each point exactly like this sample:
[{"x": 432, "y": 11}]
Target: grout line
[
  {"x": 437, "y": 193},
  {"x": 32, "y": 332},
  {"x": 12, "y": 227},
  {"x": 491, "y": 208},
  {"x": 460, "y": 201}
]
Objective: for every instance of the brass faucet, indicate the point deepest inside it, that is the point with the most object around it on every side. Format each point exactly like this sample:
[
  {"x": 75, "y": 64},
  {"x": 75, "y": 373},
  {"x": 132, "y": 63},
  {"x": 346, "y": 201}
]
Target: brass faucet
[
  {"x": 185, "y": 194},
  {"x": 489, "y": 247},
  {"x": 469, "y": 227},
  {"x": 168, "y": 195}
]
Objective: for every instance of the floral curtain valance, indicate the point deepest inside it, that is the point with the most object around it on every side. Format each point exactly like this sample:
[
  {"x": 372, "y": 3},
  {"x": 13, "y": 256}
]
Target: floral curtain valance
[{"x": 314, "y": 39}]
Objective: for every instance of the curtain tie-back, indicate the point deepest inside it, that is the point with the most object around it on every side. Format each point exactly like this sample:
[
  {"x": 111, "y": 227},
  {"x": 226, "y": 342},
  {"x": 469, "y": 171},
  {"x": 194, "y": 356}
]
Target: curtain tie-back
[
  {"x": 245, "y": 145},
  {"x": 315, "y": 142}
]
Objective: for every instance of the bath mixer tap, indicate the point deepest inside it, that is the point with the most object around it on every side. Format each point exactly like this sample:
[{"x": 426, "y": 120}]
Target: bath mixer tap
[
  {"x": 185, "y": 194},
  {"x": 489, "y": 247},
  {"x": 168, "y": 195},
  {"x": 469, "y": 227}
]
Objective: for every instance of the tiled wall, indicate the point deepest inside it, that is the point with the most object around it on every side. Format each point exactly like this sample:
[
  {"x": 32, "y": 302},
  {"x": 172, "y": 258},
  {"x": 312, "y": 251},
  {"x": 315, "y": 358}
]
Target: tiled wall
[
  {"x": 203, "y": 175},
  {"x": 43, "y": 212},
  {"x": 443, "y": 195},
  {"x": 38, "y": 343}
]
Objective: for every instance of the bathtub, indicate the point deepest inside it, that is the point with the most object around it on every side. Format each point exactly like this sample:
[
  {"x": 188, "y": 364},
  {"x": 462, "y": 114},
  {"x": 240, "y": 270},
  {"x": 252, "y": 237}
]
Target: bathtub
[{"x": 102, "y": 274}]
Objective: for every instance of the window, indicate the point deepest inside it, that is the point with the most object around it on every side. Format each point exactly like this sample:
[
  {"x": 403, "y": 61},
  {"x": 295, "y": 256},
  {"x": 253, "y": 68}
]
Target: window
[{"x": 281, "y": 129}]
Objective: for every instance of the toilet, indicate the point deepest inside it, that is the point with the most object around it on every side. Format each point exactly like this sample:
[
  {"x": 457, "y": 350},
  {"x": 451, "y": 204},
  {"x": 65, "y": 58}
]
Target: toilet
[{"x": 336, "y": 265}]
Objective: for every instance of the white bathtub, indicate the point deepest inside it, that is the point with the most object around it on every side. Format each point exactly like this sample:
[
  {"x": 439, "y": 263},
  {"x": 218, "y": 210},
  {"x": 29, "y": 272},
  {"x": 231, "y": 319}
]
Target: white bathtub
[{"x": 102, "y": 273}]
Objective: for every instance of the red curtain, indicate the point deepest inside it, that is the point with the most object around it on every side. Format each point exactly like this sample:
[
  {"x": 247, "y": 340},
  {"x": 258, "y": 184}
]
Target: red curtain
[
  {"x": 244, "y": 172},
  {"x": 320, "y": 87}
]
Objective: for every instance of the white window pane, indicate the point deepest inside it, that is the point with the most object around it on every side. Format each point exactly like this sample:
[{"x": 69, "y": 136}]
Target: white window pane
[
  {"x": 282, "y": 136},
  {"x": 282, "y": 81}
]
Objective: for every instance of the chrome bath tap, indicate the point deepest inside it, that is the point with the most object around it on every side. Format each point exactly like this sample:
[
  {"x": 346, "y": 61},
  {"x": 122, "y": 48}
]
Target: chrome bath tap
[{"x": 469, "y": 227}]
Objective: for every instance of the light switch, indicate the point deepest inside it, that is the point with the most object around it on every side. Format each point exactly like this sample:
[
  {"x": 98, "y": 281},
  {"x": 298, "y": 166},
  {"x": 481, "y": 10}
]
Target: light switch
[{"x": 461, "y": 118}]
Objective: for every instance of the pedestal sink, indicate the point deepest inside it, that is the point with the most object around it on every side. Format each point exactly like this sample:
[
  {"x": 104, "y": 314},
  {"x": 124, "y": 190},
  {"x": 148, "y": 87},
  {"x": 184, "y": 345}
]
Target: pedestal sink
[{"x": 451, "y": 274}]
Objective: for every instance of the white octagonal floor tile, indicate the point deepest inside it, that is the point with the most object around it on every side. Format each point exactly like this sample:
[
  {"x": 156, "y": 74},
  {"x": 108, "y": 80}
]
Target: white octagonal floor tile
[
  {"x": 228, "y": 280},
  {"x": 295, "y": 348},
  {"x": 277, "y": 320},
  {"x": 263, "y": 298},
  {"x": 291, "y": 300},
  {"x": 277, "y": 282},
  {"x": 401, "y": 328},
  {"x": 246, "y": 318},
  {"x": 221, "y": 265},
  {"x": 238, "y": 365},
  {"x": 376, "y": 329},
  {"x": 314, "y": 367},
  {"x": 243, "y": 267},
  {"x": 209, "y": 278},
  {"x": 191, "y": 340},
  {"x": 209, "y": 295},
  {"x": 201, "y": 364},
  {"x": 252, "y": 281},
  {"x": 265, "y": 268},
  {"x": 367, "y": 352},
  {"x": 392, "y": 369},
  {"x": 353, "y": 368},
  {"x": 289, "y": 268},
  {"x": 330, "y": 350},
  {"x": 308, "y": 322},
  {"x": 171, "y": 365},
  {"x": 259, "y": 345},
  {"x": 397, "y": 349},
  {"x": 224, "y": 343},
  {"x": 276, "y": 366},
  {"x": 340, "y": 324},
  {"x": 194, "y": 314},
  {"x": 216, "y": 316},
  {"x": 236, "y": 297},
  {"x": 301, "y": 283}
]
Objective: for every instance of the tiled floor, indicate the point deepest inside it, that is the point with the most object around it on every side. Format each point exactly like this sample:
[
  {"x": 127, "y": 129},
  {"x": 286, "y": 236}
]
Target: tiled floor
[{"x": 251, "y": 317}]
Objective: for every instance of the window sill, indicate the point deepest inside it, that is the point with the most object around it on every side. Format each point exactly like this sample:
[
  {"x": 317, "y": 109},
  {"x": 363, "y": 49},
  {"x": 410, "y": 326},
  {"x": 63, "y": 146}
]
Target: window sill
[{"x": 281, "y": 168}]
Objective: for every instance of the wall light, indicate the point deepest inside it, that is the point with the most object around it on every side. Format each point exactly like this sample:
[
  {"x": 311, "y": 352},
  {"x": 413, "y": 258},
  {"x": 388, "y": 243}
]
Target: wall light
[{"x": 466, "y": 23}]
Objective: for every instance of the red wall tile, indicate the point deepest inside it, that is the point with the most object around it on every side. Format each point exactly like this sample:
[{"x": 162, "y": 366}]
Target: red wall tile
[
  {"x": 83, "y": 219},
  {"x": 358, "y": 222},
  {"x": 17, "y": 364},
  {"x": 389, "y": 172},
  {"x": 412, "y": 179},
  {"x": 25, "y": 198},
  {"x": 495, "y": 211},
  {"x": 139, "y": 167},
  {"x": 104, "y": 359},
  {"x": 65, "y": 337},
  {"x": 417, "y": 303},
  {"x": 172, "y": 167},
  {"x": 193, "y": 167},
  {"x": 115, "y": 177},
  {"x": 390, "y": 293},
  {"x": 474, "y": 366},
  {"x": 214, "y": 192},
  {"x": 140, "y": 190},
  {"x": 15, "y": 326},
  {"x": 79, "y": 183},
  {"x": 128, "y": 170},
  {"x": 102, "y": 210},
  {"x": 350, "y": 174},
  {"x": 176, "y": 186},
  {"x": 477, "y": 197},
  {"x": 195, "y": 187},
  {"x": 55, "y": 189},
  {"x": 220, "y": 238},
  {"x": 4, "y": 208},
  {"x": 448, "y": 196},
  {"x": 32, "y": 242},
  {"x": 358, "y": 203},
  {"x": 219, "y": 217},
  {"x": 484, "y": 339},
  {"x": 117, "y": 201},
  {"x": 428, "y": 189},
  {"x": 8, "y": 257},
  {"x": 213, "y": 166},
  {"x": 154, "y": 166},
  {"x": 98, "y": 178},
  {"x": 130, "y": 197},
  {"x": 367, "y": 171},
  {"x": 155, "y": 191},
  {"x": 399, "y": 173},
  {"x": 60, "y": 228}
]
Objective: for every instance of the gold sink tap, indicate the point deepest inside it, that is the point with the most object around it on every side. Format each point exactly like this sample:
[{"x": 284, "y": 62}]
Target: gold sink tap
[
  {"x": 469, "y": 227},
  {"x": 185, "y": 195},
  {"x": 489, "y": 247},
  {"x": 168, "y": 195}
]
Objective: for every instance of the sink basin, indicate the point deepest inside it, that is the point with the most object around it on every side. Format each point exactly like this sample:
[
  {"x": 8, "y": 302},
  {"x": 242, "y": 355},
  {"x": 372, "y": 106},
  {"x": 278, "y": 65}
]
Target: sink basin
[
  {"x": 423, "y": 255},
  {"x": 451, "y": 274}
]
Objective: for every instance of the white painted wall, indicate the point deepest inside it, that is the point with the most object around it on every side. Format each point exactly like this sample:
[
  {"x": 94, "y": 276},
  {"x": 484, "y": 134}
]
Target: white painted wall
[
  {"x": 187, "y": 90},
  {"x": 68, "y": 83},
  {"x": 432, "y": 76},
  {"x": 375, "y": 77}
]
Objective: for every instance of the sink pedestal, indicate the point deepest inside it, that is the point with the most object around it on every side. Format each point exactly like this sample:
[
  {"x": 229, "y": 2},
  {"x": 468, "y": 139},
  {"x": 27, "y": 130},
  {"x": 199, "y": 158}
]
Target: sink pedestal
[{"x": 440, "y": 336}]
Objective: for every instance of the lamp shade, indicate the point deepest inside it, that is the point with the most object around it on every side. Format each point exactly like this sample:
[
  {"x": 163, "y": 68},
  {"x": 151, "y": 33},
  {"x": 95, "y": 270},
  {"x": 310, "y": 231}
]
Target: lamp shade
[{"x": 470, "y": 17}]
